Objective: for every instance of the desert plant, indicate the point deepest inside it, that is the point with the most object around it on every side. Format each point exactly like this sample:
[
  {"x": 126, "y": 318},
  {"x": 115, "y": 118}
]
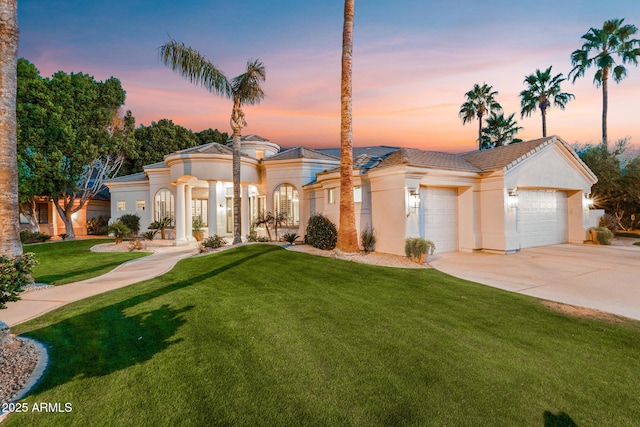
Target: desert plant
[
  {"x": 136, "y": 245},
  {"x": 213, "y": 242},
  {"x": 604, "y": 235},
  {"x": 119, "y": 231},
  {"x": 417, "y": 247},
  {"x": 132, "y": 221},
  {"x": 368, "y": 239},
  {"x": 197, "y": 224},
  {"x": 15, "y": 274},
  {"x": 150, "y": 235},
  {"x": 98, "y": 225},
  {"x": 270, "y": 220},
  {"x": 256, "y": 238},
  {"x": 290, "y": 237},
  {"x": 321, "y": 232},
  {"x": 161, "y": 225},
  {"x": 28, "y": 236},
  {"x": 63, "y": 236}
]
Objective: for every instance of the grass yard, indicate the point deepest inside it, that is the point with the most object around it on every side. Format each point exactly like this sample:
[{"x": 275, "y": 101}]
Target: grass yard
[
  {"x": 72, "y": 261},
  {"x": 258, "y": 335}
]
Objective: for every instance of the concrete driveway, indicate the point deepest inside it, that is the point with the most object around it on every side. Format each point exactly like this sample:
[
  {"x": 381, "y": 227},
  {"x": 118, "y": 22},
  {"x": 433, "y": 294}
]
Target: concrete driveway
[{"x": 606, "y": 278}]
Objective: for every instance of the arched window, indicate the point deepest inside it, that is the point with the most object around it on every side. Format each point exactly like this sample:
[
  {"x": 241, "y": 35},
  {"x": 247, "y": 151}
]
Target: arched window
[
  {"x": 286, "y": 202},
  {"x": 165, "y": 206}
]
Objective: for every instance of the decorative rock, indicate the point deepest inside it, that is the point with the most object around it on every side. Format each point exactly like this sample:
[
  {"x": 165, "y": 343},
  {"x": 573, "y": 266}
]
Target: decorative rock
[{"x": 18, "y": 359}]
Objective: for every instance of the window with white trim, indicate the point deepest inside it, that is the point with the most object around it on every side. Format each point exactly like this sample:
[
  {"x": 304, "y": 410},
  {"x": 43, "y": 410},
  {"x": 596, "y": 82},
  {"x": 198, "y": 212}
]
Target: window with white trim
[
  {"x": 287, "y": 203},
  {"x": 165, "y": 205}
]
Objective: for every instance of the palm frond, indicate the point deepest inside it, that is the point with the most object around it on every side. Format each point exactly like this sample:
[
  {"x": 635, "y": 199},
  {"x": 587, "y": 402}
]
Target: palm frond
[{"x": 247, "y": 86}]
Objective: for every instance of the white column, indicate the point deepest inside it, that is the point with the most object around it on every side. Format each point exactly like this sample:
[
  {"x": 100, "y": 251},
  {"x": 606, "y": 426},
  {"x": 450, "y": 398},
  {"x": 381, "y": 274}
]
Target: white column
[
  {"x": 212, "y": 211},
  {"x": 244, "y": 226},
  {"x": 180, "y": 217},
  {"x": 188, "y": 214}
]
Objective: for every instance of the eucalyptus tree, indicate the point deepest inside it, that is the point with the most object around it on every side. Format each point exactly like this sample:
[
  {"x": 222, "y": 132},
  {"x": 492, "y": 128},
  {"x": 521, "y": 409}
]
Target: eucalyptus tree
[
  {"x": 244, "y": 89},
  {"x": 543, "y": 89},
  {"x": 500, "y": 131},
  {"x": 347, "y": 235},
  {"x": 600, "y": 48},
  {"x": 10, "y": 245},
  {"x": 480, "y": 102}
]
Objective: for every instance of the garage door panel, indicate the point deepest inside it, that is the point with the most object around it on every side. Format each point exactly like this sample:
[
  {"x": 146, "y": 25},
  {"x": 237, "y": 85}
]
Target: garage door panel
[
  {"x": 439, "y": 208},
  {"x": 542, "y": 218}
]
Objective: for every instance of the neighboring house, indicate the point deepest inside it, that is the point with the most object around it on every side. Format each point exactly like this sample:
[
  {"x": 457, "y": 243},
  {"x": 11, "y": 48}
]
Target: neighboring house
[
  {"x": 533, "y": 193},
  {"x": 50, "y": 222}
]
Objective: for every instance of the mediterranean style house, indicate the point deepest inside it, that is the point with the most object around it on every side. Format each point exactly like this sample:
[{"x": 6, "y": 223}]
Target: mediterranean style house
[{"x": 532, "y": 193}]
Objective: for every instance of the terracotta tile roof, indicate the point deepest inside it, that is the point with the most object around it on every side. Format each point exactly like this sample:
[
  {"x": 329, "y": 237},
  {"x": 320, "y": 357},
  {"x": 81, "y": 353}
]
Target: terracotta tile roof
[
  {"x": 300, "y": 153},
  {"x": 136, "y": 177},
  {"x": 506, "y": 157},
  {"x": 430, "y": 159}
]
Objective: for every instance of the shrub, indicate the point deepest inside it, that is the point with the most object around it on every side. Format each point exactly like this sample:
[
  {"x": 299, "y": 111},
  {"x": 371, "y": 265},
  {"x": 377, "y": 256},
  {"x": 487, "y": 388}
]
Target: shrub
[
  {"x": 255, "y": 238},
  {"x": 136, "y": 245},
  {"x": 150, "y": 235},
  {"x": 609, "y": 221},
  {"x": 290, "y": 238},
  {"x": 368, "y": 239},
  {"x": 14, "y": 276},
  {"x": 28, "y": 236},
  {"x": 213, "y": 242},
  {"x": 604, "y": 235},
  {"x": 415, "y": 247},
  {"x": 119, "y": 230},
  {"x": 63, "y": 236},
  {"x": 98, "y": 225},
  {"x": 321, "y": 232},
  {"x": 132, "y": 221}
]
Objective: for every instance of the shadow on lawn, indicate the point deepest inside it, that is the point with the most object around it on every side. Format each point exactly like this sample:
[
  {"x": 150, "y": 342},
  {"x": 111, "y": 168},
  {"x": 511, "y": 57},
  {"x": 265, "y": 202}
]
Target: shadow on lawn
[
  {"x": 560, "y": 419},
  {"x": 107, "y": 340},
  {"x": 52, "y": 278}
]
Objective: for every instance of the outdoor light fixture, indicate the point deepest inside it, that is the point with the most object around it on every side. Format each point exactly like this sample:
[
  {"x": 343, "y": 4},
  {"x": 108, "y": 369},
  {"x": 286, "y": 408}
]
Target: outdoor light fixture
[
  {"x": 414, "y": 200},
  {"x": 512, "y": 199},
  {"x": 587, "y": 201}
]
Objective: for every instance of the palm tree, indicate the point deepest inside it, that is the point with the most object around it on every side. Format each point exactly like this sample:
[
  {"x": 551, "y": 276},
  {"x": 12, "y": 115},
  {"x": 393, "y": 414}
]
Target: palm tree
[
  {"x": 480, "y": 101},
  {"x": 598, "y": 51},
  {"x": 244, "y": 89},
  {"x": 10, "y": 245},
  {"x": 499, "y": 131},
  {"x": 541, "y": 90},
  {"x": 347, "y": 235}
]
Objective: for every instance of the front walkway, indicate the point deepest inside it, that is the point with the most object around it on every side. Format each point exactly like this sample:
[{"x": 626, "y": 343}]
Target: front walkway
[
  {"x": 35, "y": 303},
  {"x": 605, "y": 278}
]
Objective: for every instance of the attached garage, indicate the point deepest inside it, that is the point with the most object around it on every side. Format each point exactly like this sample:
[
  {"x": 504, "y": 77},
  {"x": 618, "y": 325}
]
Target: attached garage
[
  {"x": 542, "y": 218},
  {"x": 439, "y": 217}
]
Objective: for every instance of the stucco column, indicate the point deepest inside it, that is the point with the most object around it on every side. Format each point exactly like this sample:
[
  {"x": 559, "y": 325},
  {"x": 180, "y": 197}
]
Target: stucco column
[
  {"x": 244, "y": 225},
  {"x": 188, "y": 217},
  {"x": 180, "y": 216},
  {"x": 212, "y": 211}
]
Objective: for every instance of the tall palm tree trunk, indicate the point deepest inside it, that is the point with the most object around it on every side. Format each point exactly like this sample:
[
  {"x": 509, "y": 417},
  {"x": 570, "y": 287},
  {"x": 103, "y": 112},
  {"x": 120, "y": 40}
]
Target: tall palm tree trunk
[
  {"x": 479, "y": 132},
  {"x": 544, "y": 122},
  {"x": 10, "y": 245},
  {"x": 347, "y": 235},
  {"x": 236, "y": 126},
  {"x": 605, "y": 104}
]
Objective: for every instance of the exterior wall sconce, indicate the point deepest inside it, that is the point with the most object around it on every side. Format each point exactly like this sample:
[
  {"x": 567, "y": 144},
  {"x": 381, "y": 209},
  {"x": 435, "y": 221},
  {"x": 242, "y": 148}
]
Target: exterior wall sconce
[
  {"x": 587, "y": 201},
  {"x": 512, "y": 199},
  {"x": 414, "y": 200}
]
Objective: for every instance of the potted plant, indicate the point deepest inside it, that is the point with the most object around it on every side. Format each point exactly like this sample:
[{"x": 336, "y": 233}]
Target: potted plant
[
  {"x": 417, "y": 249},
  {"x": 197, "y": 225}
]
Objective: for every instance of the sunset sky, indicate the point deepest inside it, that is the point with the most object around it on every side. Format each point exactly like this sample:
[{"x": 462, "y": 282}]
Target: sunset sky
[{"x": 413, "y": 62}]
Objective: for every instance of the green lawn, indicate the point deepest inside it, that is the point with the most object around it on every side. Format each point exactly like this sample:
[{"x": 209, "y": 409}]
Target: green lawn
[
  {"x": 258, "y": 335},
  {"x": 72, "y": 261}
]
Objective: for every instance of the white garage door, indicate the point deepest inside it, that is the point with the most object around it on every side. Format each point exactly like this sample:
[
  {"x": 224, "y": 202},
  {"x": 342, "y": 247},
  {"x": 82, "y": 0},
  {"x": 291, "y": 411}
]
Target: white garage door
[
  {"x": 440, "y": 217},
  {"x": 542, "y": 218}
]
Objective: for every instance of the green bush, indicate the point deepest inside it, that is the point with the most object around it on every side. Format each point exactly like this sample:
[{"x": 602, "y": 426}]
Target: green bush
[
  {"x": 132, "y": 221},
  {"x": 604, "y": 235},
  {"x": 368, "y": 239},
  {"x": 150, "y": 235},
  {"x": 28, "y": 236},
  {"x": 119, "y": 230},
  {"x": 256, "y": 238},
  {"x": 14, "y": 276},
  {"x": 213, "y": 242},
  {"x": 321, "y": 232},
  {"x": 290, "y": 238},
  {"x": 98, "y": 226},
  {"x": 415, "y": 247}
]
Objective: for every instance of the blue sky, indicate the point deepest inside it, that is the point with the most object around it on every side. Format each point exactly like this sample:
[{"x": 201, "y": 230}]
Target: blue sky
[{"x": 413, "y": 62}]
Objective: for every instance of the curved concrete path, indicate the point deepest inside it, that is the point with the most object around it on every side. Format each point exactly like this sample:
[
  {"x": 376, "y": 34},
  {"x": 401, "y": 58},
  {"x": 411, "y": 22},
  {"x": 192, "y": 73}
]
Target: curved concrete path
[
  {"x": 605, "y": 278},
  {"x": 35, "y": 303}
]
